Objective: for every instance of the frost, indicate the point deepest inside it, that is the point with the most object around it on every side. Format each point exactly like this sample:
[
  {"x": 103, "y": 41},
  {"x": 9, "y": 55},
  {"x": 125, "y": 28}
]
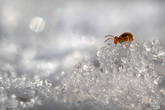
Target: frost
[
  {"x": 119, "y": 78},
  {"x": 23, "y": 92},
  {"x": 126, "y": 77}
]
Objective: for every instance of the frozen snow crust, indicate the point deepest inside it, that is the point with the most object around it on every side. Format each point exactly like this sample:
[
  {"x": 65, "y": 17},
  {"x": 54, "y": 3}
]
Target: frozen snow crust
[
  {"x": 126, "y": 76},
  {"x": 123, "y": 77}
]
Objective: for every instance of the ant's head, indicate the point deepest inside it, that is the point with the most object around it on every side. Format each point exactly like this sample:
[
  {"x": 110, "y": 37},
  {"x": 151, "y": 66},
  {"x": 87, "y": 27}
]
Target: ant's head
[{"x": 115, "y": 40}]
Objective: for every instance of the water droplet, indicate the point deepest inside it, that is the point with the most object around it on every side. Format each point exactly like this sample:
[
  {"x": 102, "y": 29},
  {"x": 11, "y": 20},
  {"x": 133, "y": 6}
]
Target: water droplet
[
  {"x": 85, "y": 67},
  {"x": 13, "y": 96},
  {"x": 37, "y": 24}
]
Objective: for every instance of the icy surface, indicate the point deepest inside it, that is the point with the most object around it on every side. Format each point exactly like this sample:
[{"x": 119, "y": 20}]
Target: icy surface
[
  {"x": 120, "y": 77},
  {"x": 126, "y": 76}
]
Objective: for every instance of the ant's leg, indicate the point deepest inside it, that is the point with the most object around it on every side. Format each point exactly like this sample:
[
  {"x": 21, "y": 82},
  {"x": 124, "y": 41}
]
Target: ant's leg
[{"x": 121, "y": 44}]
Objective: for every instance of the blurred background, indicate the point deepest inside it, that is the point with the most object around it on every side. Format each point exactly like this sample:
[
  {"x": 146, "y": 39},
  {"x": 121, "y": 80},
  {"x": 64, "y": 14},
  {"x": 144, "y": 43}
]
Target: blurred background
[{"x": 48, "y": 38}]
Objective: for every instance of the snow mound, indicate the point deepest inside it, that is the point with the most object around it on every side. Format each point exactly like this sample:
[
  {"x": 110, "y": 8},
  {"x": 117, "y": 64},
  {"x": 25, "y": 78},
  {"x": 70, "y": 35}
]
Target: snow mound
[
  {"x": 120, "y": 77},
  {"x": 125, "y": 76}
]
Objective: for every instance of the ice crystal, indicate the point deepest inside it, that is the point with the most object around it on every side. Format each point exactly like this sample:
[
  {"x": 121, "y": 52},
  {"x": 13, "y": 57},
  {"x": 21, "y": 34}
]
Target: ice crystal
[
  {"x": 22, "y": 92},
  {"x": 126, "y": 76}
]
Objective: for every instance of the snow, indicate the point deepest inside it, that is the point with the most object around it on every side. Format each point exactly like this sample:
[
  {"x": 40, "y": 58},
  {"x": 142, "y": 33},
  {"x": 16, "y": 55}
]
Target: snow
[{"x": 124, "y": 78}]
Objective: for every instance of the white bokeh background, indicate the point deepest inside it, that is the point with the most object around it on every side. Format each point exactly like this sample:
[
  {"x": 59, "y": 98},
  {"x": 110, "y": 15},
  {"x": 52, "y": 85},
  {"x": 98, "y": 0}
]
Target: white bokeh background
[{"x": 48, "y": 38}]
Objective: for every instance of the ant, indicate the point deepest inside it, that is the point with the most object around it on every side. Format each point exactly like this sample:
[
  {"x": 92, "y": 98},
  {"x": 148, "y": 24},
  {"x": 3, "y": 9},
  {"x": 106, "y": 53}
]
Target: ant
[{"x": 122, "y": 38}]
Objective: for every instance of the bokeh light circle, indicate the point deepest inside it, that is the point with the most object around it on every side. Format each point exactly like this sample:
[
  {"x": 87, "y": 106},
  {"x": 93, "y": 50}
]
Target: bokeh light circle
[{"x": 37, "y": 24}]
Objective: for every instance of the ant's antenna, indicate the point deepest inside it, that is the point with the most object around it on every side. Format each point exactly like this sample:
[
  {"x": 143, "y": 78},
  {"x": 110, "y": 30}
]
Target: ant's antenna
[
  {"x": 110, "y": 35},
  {"x": 108, "y": 39}
]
